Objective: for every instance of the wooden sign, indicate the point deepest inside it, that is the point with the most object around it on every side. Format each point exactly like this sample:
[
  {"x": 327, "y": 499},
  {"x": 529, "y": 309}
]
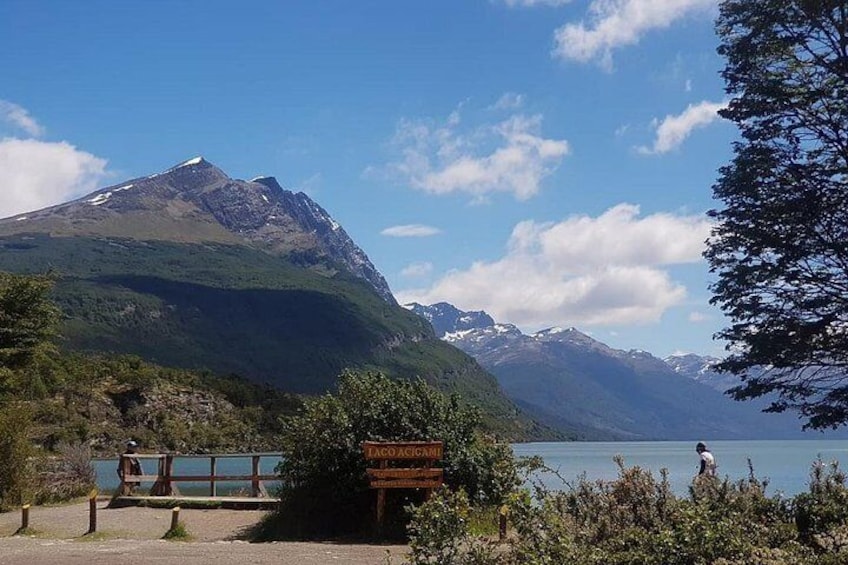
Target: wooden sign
[
  {"x": 423, "y": 450},
  {"x": 422, "y": 476},
  {"x": 405, "y": 478}
]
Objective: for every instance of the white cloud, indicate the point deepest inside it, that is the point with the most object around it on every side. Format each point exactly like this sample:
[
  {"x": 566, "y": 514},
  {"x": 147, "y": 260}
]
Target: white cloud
[
  {"x": 508, "y": 101},
  {"x": 19, "y": 117},
  {"x": 581, "y": 271},
  {"x": 531, "y": 3},
  {"x": 411, "y": 230},
  {"x": 35, "y": 174},
  {"x": 617, "y": 23},
  {"x": 415, "y": 270},
  {"x": 674, "y": 130},
  {"x": 697, "y": 317},
  {"x": 510, "y": 156}
]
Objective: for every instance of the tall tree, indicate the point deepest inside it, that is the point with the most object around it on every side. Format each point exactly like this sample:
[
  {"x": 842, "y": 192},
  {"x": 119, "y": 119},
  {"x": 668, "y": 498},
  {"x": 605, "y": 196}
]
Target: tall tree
[
  {"x": 780, "y": 245},
  {"x": 28, "y": 318}
]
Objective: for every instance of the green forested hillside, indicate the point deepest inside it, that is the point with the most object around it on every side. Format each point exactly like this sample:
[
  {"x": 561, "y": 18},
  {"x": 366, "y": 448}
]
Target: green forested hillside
[
  {"x": 102, "y": 401},
  {"x": 230, "y": 309}
]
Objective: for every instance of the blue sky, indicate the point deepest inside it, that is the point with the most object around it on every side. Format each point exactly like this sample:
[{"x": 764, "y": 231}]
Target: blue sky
[{"x": 548, "y": 161}]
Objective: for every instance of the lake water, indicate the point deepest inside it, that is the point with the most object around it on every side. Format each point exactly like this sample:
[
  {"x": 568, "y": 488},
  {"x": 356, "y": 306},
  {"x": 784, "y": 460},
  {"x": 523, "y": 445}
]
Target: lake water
[{"x": 785, "y": 463}]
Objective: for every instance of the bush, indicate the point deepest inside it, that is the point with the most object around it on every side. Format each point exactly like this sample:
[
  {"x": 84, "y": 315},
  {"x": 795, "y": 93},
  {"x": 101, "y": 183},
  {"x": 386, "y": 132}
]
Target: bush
[
  {"x": 439, "y": 532},
  {"x": 17, "y": 476},
  {"x": 325, "y": 491},
  {"x": 637, "y": 520},
  {"x": 821, "y": 515},
  {"x": 68, "y": 475}
]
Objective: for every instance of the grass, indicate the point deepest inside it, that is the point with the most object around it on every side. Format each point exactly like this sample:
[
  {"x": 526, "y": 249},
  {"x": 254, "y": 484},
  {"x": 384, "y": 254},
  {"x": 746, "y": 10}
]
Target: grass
[
  {"x": 177, "y": 533},
  {"x": 483, "y": 521}
]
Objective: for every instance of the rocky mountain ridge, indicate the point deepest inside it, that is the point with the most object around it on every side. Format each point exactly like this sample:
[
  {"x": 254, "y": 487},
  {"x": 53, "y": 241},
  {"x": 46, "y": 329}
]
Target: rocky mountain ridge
[
  {"x": 197, "y": 202},
  {"x": 581, "y": 385},
  {"x": 701, "y": 368}
]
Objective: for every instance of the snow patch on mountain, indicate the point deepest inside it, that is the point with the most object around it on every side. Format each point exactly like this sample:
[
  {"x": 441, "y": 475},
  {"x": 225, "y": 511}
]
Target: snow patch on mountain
[
  {"x": 100, "y": 198},
  {"x": 195, "y": 161}
]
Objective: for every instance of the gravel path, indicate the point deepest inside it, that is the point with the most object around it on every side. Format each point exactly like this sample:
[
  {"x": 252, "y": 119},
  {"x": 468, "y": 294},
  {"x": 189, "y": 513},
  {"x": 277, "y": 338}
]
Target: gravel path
[{"x": 133, "y": 535}]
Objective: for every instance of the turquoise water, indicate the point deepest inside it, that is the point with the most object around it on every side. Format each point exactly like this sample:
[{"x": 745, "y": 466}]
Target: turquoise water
[{"x": 786, "y": 464}]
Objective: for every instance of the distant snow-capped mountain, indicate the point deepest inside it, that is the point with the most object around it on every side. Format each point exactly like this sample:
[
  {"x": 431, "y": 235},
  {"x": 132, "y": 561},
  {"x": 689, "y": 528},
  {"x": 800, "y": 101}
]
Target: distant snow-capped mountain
[
  {"x": 572, "y": 381},
  {"x": 446, "y": 318},
  {"x": 701, "y": 368}
]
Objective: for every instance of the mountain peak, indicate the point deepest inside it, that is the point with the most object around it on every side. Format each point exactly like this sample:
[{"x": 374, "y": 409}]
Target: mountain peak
[
  {"x": 269, "y": 182},
  {"x": 196, "y": 202},
  {"x": 191, "y": 162},
  {"x": 447, "y": 318}
]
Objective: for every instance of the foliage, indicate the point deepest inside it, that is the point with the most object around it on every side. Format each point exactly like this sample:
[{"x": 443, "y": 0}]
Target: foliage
[
  {"x": 102, "y": 400},
  {"x": 28, "y": 318},
  {"x": 821, "y": 514},
  {"x": 439, "y": 532},
  {"x": 779, "y": 247},
  {"x": 325, "y": 491},
  {"x": 177, "y": 533},
  {"x": 439, "y": 527},
  {"x": 17, "y": 483},
  {"x": 68, "y": 475},
  {"x": 636, "y": 520}
]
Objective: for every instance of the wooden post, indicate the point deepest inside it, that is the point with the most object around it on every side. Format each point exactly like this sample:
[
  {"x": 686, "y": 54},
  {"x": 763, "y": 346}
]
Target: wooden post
[
  {"x": 502, "y": 513},
  {"x": 170, "y": 489},
  {"x": 213, "y": 488},
  {"x": 125, "y": 472},
  {"x": 381, "y": 502},
  {"x": 175, "y": 517},
  {"x": 381, "y": 508},
  {"x": 92, "y": 512},
  {"x": 25, "y": 517},
  {"x": 158, "y": 488},
  {"x": 254, "y": 481}
]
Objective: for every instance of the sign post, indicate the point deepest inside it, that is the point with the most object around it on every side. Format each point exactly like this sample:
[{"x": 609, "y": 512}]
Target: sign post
[{"x": 423, "y": 475}]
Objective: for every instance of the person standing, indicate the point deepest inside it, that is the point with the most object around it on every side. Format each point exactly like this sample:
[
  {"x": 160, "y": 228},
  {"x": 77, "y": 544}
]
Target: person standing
[
  {"x": 708, "y": 462},
  {"x": 129, "y": 464}
]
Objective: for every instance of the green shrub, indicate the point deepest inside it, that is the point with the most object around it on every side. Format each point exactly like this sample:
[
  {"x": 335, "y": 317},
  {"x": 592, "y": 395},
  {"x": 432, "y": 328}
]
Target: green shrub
[
  {"x": 177, "y": 533},
  {"x": 325, "y": 491},
  {"x": 439, "y": 532},
  {"x": 635, "y": 520},
  {"x": 821, "y": 514},
  {"x": 17, "y": 476}
]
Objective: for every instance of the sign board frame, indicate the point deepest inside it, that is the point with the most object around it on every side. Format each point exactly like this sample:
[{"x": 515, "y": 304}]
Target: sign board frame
[{"x": 424, "y": 475}]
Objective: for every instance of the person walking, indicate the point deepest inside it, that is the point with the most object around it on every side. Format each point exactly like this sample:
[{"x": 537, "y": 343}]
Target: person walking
[{"x": 708, "y": 462}]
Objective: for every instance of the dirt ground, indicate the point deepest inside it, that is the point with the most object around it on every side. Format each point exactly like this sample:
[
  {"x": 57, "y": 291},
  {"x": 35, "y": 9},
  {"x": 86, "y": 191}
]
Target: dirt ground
[{"x": 133, "y": 535}]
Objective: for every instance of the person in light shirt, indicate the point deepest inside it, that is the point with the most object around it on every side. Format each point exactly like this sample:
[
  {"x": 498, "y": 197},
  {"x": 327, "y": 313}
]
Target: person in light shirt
[{"x": 708, "y": 462}]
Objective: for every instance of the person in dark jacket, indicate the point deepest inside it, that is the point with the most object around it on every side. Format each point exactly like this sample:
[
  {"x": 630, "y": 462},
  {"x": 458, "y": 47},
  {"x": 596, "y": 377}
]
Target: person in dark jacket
[{"x": 132, "y": 464}]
